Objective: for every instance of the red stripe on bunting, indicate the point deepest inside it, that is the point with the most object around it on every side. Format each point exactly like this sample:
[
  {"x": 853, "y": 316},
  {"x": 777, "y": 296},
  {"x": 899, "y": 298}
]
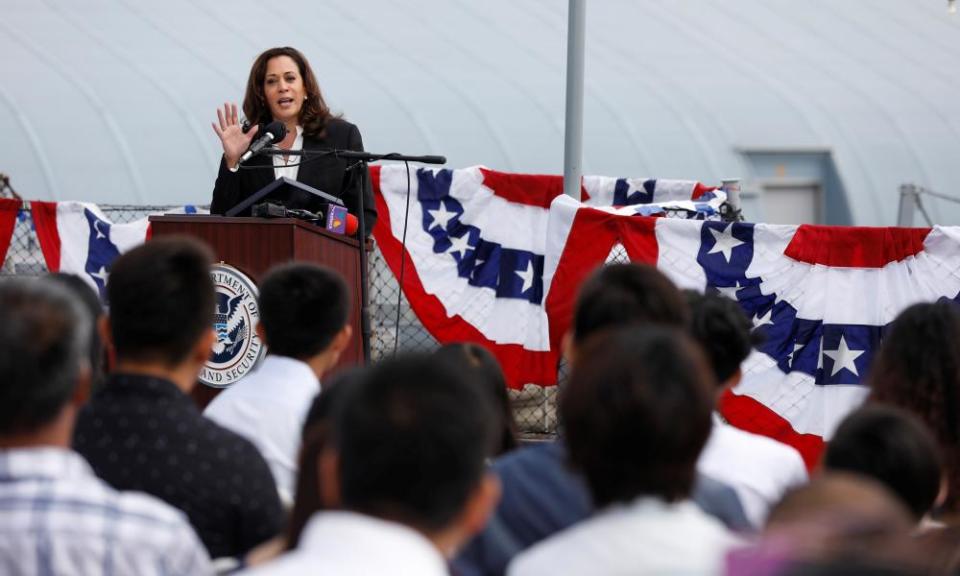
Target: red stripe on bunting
[
  {"x": 45, "y": 222},
  {"x": 701, "y": 189},
  {"x": 529, "y": 189},
  {"x": 749, "y": 414},
  {"x": 9, "y": 208},
  {"x": 855, "y": 246},
  {"x": 520, "y": 366},
  {"x": 592, "y": 236}
]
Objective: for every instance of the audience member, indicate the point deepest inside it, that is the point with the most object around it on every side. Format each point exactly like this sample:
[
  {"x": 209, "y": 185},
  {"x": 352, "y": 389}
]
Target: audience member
[
  {"x": 303, "y": 322},
  {"x": 918, "y": 369},
  {"x": 143, "y": 432},
  {"x": 317, "y": 487},
  {"x": 478, "y": 360},
  {"x": 412, "y": 437},
  {"x": 837, "y": 519},
  {"x": 99, "y": 355},
  {"x": 892, "y": 447},
  {"x": 541, "y": 494},
  {"x": 57, "y": 517},
  {"x": 627, "y": 394},
  {"x": 759, "y": 468}
]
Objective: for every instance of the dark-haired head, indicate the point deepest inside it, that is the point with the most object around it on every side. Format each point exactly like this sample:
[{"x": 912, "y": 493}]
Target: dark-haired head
[
  {"x": 724, "y": 332},
  {"x": 44, "y": 335},
  {"x": 636, "y": 411},
  {"x": 413, "y": 436},
  {"x": 918, "y": 369},
  {"x": 313, "y": 114},
  {"x": 161, "y": 299},
  {"x": 88, "y": 297},
  {"x": 303, "y": 309},
  {"x": 626, "y": 294},
  {"x": 892, "y": 447},
  {"x": 484, "y": 366}
]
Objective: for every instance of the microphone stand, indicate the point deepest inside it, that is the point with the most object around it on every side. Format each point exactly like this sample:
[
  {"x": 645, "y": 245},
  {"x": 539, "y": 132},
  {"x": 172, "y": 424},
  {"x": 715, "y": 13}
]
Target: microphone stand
[{"x": 362, "y": 158}]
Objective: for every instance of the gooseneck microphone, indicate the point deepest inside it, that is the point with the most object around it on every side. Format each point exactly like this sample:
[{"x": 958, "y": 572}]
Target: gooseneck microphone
[{"x": 273, "y": 132}]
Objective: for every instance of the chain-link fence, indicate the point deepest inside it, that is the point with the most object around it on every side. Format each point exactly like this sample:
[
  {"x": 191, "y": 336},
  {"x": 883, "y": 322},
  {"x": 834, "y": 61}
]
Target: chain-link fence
[{"x": 534, "y": 406}]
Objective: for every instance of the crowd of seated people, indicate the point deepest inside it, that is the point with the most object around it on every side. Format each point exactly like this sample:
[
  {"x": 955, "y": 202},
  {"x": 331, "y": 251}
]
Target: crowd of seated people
[{"x": 413, "y": 465}]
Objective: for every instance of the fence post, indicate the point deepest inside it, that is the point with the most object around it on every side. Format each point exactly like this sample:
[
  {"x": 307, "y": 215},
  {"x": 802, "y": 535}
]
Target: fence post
[{"x": 908, "y": 204}]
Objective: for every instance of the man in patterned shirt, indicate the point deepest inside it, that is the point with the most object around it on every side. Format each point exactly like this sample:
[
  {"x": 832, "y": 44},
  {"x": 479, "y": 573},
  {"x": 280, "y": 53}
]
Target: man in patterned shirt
[
  {"x": 56, "y": 516},
  {"x": 142, "y": 431}
]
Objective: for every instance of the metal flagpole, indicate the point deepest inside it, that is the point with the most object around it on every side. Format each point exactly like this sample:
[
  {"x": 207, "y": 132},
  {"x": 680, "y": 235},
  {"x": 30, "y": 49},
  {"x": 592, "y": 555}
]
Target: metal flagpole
[{"x": 573, "y": 127}]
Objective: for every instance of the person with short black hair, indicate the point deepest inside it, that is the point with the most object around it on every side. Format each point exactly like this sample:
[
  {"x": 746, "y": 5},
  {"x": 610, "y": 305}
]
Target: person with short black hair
[
  {"x": 412, "y": 437},
  {"x": 541, "y": 493},
  {"x": 143, "y": 432},
  {"x": 759, "y": 468},
  {"x": 57, "y": 516},
  {"x": 303, "y": 322},
  {"x": 647, "y": 394},
  {"x": 479, "y": 361},
  {"x": 891, "y": 446},
  {"x": 624, "y": 294}
]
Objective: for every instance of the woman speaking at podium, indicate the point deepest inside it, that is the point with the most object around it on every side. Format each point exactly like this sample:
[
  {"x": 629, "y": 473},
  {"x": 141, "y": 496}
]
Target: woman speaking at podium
[{"x": 282, "y": 88}]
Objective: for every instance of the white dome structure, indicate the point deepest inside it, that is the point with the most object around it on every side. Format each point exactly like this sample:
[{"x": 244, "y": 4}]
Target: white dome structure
[{"x": 822, "y": 108}]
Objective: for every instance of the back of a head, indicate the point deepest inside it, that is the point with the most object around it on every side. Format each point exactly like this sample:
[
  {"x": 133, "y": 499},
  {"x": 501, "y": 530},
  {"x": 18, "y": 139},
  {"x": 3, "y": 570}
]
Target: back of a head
[
  {"x": 302, "y": 307},
  {"x": 412, "y": 437},
  {"x": 840, "y": 516},
  {"x": 724, "y": 332},
  {"x": 918, "y": 369},
  {"x": 626, "y": 294},
  {"x": 44, "y": 335},
  {"x": 841, "y": 502},
  {"x": 892, "y": 447},
  {"x": 483, "y": 365},
  {"x": 86, "y": 295},
  {"x": 637, "y": 412},
  {"x": 161, "y": 300}
]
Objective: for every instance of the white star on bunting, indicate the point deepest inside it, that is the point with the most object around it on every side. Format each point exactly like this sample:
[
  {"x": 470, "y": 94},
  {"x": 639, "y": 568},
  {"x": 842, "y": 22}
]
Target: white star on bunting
[
  {"x": 441, "y": 217},
  {"x": 843, "y": 357},
  {"x": 791, "y": 357},
  {"x": 725, "y": 242},
  {"x": 101, "y": 275},
  {"x": 460, "y": 245},
  {"x": 730, "y": 291},
  {"x": 526, "y": 276},
  {"x": 764, "y": 320}
]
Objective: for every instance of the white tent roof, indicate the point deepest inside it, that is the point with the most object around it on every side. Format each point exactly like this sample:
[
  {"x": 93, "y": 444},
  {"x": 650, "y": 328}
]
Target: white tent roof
[{"x": 111, "y": 100}]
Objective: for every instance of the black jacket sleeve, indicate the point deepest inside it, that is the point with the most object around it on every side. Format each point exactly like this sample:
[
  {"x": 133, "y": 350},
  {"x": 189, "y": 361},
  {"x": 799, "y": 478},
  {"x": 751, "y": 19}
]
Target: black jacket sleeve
[{"x": 226, "y": 191}]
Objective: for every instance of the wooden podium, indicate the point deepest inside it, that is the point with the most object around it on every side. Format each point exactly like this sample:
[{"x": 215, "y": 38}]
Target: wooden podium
[{"x": 254, "y": 245}]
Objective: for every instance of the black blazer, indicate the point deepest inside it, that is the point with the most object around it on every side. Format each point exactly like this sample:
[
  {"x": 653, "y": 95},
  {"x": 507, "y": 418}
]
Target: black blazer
[{"x": 325, "y": 173}]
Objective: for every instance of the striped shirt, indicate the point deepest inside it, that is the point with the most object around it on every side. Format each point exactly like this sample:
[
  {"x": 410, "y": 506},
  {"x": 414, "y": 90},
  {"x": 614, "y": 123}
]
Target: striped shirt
[{"x": 58, "y": 518}]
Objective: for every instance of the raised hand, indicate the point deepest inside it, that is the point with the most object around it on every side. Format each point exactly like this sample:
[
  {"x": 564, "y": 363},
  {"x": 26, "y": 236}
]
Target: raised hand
[{"x": 231, "y": 135}]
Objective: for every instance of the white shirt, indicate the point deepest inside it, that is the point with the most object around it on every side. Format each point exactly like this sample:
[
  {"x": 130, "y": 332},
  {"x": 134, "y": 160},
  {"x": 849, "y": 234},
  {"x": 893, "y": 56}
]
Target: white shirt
[
  {"x": 646, "y": 536},
  {"x": 758, "y": 468},
  {"x": 347, "y": 543},
  {"x": 268, "y": 408},
  {"x": 58, "y": 518},
  {"x": 281, "y": 166}
]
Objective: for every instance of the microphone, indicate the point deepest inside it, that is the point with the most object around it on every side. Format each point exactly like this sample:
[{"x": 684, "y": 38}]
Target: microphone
[
  {"x": 341, "y": 221},
  {"x": 274, "y": 132}
]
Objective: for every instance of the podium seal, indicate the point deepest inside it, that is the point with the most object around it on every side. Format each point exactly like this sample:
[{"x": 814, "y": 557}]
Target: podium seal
[{"x": 237, "y": 349}]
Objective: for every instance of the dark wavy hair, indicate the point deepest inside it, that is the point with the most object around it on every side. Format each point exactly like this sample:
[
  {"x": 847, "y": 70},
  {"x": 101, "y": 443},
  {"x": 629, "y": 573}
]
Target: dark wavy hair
[
  {"x": 313, "y": 115},
  {"x": 918, "y": 369}
]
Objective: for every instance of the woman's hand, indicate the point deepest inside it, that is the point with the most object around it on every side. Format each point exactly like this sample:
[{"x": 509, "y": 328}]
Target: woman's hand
[{"x": 231, "y": 135}]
